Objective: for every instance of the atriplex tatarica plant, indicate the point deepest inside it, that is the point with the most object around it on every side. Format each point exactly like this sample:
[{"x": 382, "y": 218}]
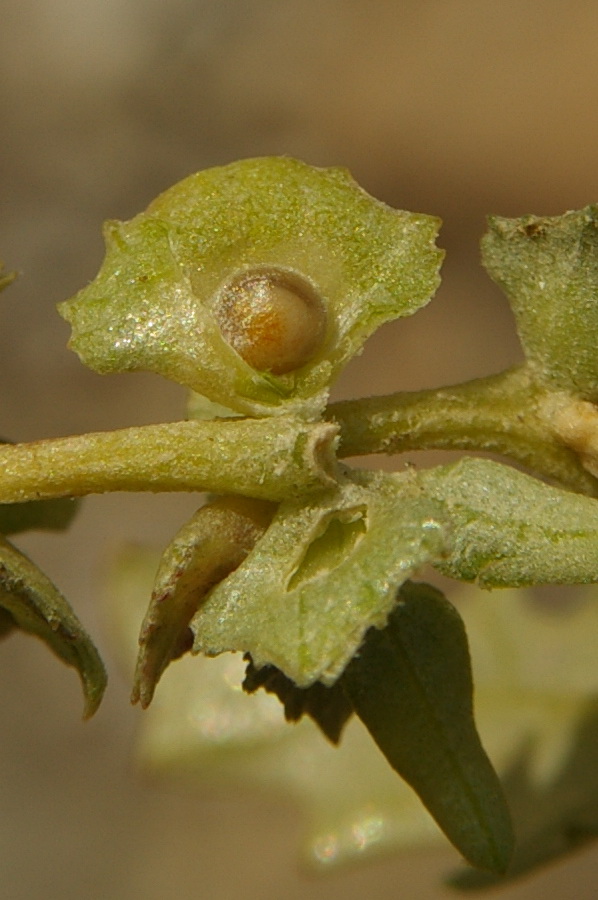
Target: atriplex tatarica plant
[{"x": 253, "y": 285}]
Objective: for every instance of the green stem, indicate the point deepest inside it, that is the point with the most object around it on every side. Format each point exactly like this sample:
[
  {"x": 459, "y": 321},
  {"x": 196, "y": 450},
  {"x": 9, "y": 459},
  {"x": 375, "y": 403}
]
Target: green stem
[
  {"x": 275, "y": 458},
  {"x": 268, "y": 459},
  {"x": 502, "y": 414}
]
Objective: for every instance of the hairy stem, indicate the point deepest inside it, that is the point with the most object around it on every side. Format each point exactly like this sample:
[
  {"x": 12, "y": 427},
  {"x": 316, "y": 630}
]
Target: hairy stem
[
  {"x": 263, "y": 458},
  {"x": 503, "y": 413}
]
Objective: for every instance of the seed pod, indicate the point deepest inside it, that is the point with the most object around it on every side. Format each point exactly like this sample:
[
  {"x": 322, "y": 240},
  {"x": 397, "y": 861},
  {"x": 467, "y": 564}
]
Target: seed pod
[{"x": 254, "y": 284}]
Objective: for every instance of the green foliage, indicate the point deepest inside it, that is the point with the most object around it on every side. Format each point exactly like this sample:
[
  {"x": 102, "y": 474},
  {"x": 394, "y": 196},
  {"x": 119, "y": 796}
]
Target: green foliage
[
  {"x": 207, "y": 549},
  {"x": 535, "y": 680},
  {"x": 508, "y": 529},
  {"x": 411, "y": 686},
  {"x": 35, "y": 606},
  {"x": 548, "y": 268},
  {"x": 31, "y": 603},
  {"x": 253, "y": 285},
  {"x": 324, "y": 572}
]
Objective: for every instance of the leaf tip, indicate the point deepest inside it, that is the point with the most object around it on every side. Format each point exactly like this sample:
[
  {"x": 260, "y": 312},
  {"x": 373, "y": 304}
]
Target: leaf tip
[{"x": 94, "y": 686}]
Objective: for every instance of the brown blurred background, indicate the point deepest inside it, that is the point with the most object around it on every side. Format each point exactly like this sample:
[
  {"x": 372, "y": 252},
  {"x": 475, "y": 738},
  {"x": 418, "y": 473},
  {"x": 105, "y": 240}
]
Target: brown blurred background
[{"x": 457, "y": 108}]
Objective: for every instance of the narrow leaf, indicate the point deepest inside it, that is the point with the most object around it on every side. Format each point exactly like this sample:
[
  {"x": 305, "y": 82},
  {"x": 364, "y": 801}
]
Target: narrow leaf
[
  {"x": 36, "y": 606},
  {"x": 411, "y": 685}
]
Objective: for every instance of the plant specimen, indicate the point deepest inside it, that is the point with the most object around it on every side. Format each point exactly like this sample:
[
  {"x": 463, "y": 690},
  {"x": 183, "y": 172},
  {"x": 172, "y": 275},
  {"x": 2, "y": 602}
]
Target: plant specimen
[{"x": 253, "y": 285}]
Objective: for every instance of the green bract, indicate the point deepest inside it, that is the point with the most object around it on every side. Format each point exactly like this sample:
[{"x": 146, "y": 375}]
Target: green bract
[
  {"x": 160, "y": 294},
  {"x": 548, "y": 268},
  {"x": 210, "y": 546},
  {"x": 328, "y": 567},
  {"x": 323, "y": 573},
  {"x": 509, "y": 529}
]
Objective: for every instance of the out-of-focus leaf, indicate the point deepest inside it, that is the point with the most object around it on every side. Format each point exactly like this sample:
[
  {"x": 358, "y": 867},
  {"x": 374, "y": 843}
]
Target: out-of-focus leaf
[
  {"x": 37, "y": 607},
  {"x": 203, "y": 725},
  {"x": 323, "y": 573},
  {"x": 154, "y": 304},
  {"x": 548, "y": 268},
  {"x": 7, "y": 623},
  {"x": 329, "y": 707},
  {"x": 534, "y": 669},
  {"x": 537, "y": 688},
  {"x": 6, "y": 278},
  {"x": 207, "y": 549},
  {"x": 509, "y": 529},
  {"x": 411, "y": 685},
  {"x": 37, "y": 515}
]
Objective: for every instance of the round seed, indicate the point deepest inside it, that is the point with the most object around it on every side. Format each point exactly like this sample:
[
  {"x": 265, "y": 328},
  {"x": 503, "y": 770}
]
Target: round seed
[{"x": 274, "y": 319}]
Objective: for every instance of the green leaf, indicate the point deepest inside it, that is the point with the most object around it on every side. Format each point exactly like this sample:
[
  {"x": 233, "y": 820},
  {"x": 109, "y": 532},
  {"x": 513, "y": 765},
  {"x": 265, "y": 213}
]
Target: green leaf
[
  {"x": 38, "y": 515},
  {"x": 323, "y": 573},
  {"x": 509, "y": 529},
  {"x": 411, "y": 686},
  {"x": 36, "y": 606},
  {"x": 172, "y": 271},
  {"x": 548, "y": 267}
]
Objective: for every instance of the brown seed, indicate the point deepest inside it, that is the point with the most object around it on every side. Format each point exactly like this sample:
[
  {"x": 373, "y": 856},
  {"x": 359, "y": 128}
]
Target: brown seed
[{"x": 273, "y": 318}]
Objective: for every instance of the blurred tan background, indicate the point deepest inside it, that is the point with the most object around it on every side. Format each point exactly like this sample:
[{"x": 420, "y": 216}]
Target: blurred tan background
[{"x": 457, "y": 108}]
